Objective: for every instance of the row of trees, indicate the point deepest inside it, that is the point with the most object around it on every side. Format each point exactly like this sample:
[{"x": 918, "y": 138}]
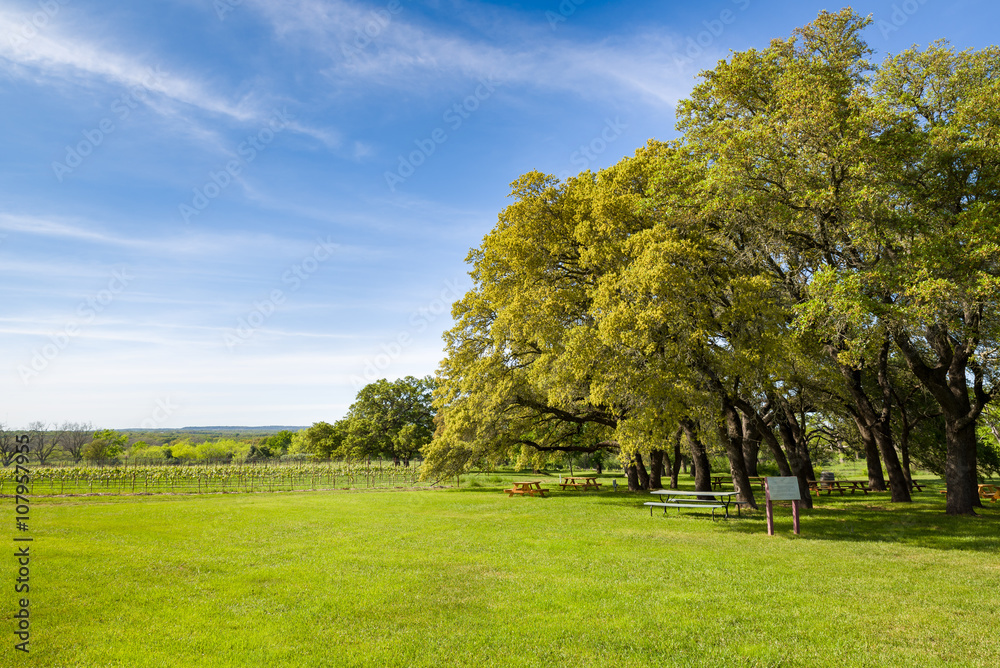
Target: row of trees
[
  {"x": 218, "y": 450},
  {"x": 45, "y": 441},
  {"x": 815, "y": 260},
  {"x": 81, "y": 442}
]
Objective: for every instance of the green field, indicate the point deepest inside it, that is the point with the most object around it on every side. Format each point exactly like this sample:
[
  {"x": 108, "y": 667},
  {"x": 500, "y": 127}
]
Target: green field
[{"x": 470, "y": 577}]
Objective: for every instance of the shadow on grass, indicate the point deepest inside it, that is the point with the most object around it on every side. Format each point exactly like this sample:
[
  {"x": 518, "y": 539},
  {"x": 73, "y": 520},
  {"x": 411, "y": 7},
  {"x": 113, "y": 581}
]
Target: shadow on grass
[
  {"x": 857, "y": 519},
  {"x": 920, "y": 524},
  {"x": 862, "y": 519}
]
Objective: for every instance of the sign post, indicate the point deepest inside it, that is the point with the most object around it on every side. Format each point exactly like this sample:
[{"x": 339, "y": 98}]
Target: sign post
[{"x": 785, "y": 488}]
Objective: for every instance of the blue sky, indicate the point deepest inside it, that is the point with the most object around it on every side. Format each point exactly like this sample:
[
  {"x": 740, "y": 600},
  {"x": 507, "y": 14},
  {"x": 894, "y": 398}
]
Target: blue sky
[{"x": 237, "y": 211}]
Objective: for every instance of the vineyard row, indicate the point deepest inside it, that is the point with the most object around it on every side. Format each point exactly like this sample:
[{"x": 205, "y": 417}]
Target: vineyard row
[{"x": 222, "y": 478}]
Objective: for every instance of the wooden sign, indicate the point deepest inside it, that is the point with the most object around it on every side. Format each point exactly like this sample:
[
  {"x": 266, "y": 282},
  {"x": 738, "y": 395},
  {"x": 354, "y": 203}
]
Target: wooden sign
[{"x": 785, "y": 488}]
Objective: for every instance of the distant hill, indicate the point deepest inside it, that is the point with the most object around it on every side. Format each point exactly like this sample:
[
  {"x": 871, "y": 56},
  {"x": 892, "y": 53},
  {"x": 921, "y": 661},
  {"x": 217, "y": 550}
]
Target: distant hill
[{"x": 268, "y": 429}]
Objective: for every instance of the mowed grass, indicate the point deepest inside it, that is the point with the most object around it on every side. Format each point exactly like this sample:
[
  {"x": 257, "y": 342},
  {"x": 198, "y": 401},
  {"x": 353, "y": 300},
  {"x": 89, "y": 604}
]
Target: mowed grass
[{"x": 471, "y": 577}]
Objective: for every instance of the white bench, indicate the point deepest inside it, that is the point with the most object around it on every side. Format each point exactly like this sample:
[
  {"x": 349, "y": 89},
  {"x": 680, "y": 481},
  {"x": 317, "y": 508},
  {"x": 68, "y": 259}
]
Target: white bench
[
  {"x": 693, "y": 503},
  {"x": 676, "y": 498}
]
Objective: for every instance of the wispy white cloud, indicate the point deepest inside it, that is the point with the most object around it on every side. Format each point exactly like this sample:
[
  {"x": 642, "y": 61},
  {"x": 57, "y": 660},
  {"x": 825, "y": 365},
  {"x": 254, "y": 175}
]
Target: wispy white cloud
[
  {"x": 57, "y": 53},
  {"x": 406, "y": 54},
  {"x": 179, "y": 244},
  {"x": 330, "y": 138},
  {"x": 50, "y": 271},
  {"x": 54, "y": 228}
]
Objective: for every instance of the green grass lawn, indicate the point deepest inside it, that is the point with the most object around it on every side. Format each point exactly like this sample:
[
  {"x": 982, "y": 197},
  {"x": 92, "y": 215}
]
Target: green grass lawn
[{"x": 470, "y": 577}]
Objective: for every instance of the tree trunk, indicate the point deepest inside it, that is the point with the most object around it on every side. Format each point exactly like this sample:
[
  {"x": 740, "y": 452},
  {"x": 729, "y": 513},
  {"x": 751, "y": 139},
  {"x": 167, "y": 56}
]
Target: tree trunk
[
  {"x": 904, "y": 452},
  {"x": 875, "y": 480},
  {"x": 873, "y": 428},
  {"x": 898, "y": 483},
  {"x": 700, "y": 466},
  {"x": 805, "y": 463},
  {"x": 960, "y": 468},
  {"x": 947, "y": 381},
  {"x": 731, "y": 435},
  {"x": 678, "y": 460},
  {"x": 779, "y": 456},
  {"x": 640, "y": 469},
  {"x": 632, "y": 474},
  {"x": 765, "y": 431},
  {"x": 751, "y": 445},
  {"x": 876, "y": 422},
  {"x": 904, "y": 447},
  {"x": 656, "y": 462}
]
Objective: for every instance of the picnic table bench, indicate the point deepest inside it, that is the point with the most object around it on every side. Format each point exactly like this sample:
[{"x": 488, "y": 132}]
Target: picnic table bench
[
  {"x": 530, "y": 487},
  {"x": 574, "y": 482},
  {"x": 683, "y": 499},
  {"x": 841, "y": 486}
]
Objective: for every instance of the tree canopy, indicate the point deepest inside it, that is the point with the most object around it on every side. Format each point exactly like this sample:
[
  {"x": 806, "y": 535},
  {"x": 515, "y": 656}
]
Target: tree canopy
[
  {"x": 815, "y": 258},
  {"x": 391, "y": 419},
  {"x": 105, "y": 445}
]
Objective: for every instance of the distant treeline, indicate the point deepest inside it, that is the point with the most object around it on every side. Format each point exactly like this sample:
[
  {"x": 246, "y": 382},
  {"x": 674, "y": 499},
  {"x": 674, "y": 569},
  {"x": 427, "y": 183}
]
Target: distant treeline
[{"x": 75, "y": 442}]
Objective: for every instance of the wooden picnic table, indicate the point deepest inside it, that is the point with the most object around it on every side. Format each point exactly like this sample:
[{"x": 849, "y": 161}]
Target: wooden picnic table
[
  {"x": 986, "y": 491},
  {"x": 851, "y": 486},
  {"x": 719, "y": 480},
  {"x": 841, "y": 486},
  {"x": 578, "y": 482},
  {"x": 817, "y": 486},
  {"x": 914, "y": 485},
  {"x": 989, "y": 491},
  {"x": 529, "y": 487},
  {"x": 676, "y": 498}
]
